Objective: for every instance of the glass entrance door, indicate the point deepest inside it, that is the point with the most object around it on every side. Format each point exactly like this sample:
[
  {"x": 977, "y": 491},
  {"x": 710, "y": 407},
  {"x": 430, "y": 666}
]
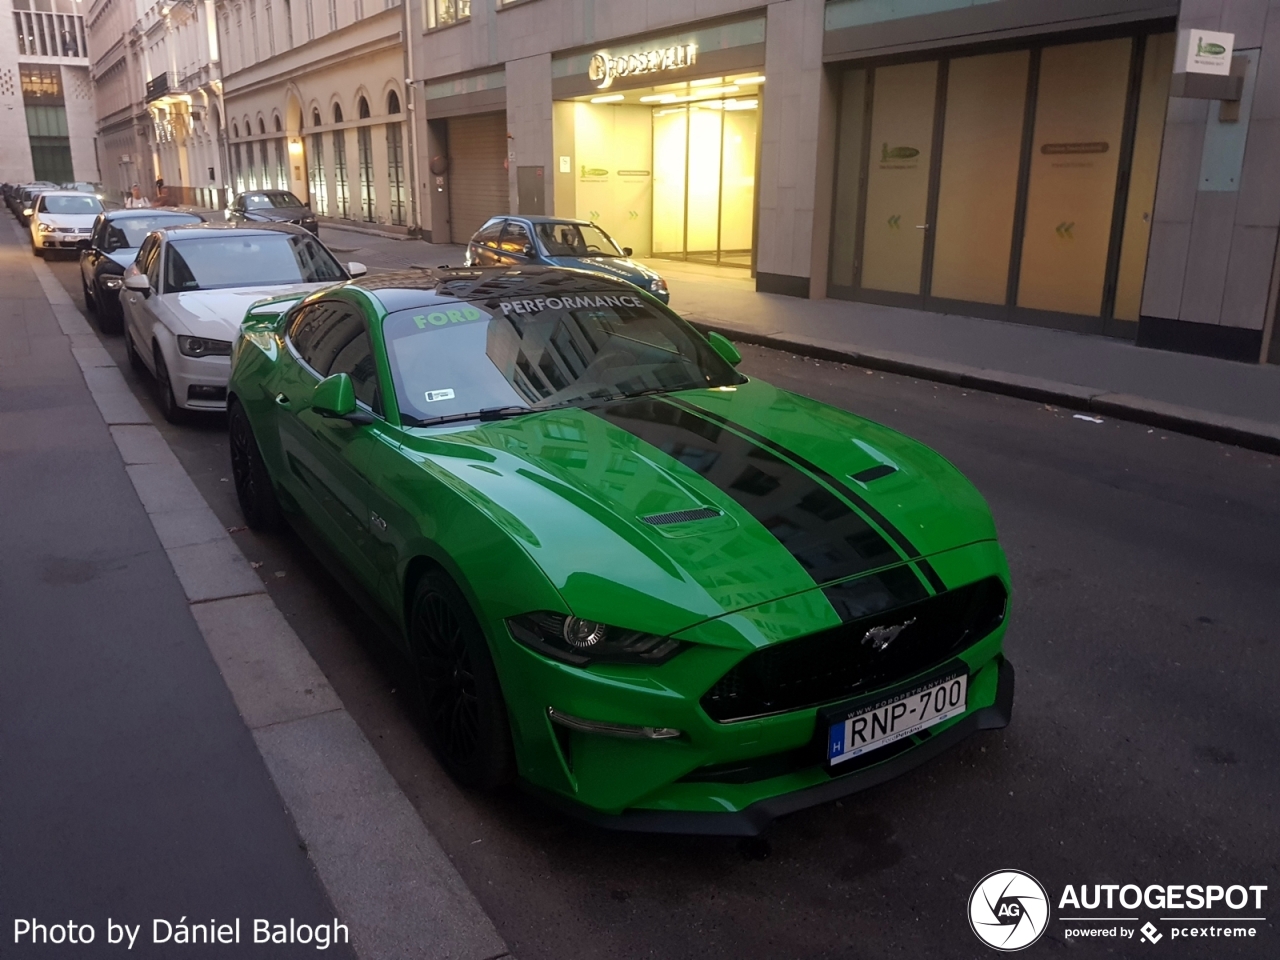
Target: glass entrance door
[{"x": 704, "y": 162}]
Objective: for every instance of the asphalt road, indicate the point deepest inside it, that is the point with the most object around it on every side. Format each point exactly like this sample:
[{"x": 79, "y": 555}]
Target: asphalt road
[{"x": 1146, "y": 571}]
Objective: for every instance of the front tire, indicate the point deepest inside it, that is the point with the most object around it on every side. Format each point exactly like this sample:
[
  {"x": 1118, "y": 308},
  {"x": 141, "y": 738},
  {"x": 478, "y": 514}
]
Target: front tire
[
  {"x": 164, "y": 387},
  {"x": 135, "y": 359},
  {"x": 464, "y": 711},
  {"x": 90, "y": 301},
  {"x": 257, "y": 497}
]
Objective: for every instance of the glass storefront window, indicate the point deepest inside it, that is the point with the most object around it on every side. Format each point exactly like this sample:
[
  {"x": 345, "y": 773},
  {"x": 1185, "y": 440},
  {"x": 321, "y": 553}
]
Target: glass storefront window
[
  {"x": 1157, "y": 68},
  {"x": 902, "y": 120},
  {"x": 340, "y": 174},
  {"x": 978, "y": 187},
  {"x": 1075, "y": 155}
]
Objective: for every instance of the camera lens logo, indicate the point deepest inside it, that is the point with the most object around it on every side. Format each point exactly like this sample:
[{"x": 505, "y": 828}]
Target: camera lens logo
[{"x": 1008, "y": 910}]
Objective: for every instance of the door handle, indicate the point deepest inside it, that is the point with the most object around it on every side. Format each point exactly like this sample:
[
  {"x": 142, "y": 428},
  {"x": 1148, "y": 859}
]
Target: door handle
[
  {"x": 282, "y": 401},
  {"x": 922, "y": 226}
]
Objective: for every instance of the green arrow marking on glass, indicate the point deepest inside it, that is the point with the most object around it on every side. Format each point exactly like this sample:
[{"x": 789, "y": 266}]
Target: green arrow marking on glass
[
  {"x": 893, "y": 221},
  {"x": 1063, "y": 230}
]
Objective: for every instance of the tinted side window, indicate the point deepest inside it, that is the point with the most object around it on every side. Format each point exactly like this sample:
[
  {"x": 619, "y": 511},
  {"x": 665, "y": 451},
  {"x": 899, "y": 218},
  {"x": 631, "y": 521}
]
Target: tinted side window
[
  {"x": 153, "y": 266},
  {"x": 331, "y": 338},
  {"x": 515, "y": 238},
  {"x": 490, "y": 233}
]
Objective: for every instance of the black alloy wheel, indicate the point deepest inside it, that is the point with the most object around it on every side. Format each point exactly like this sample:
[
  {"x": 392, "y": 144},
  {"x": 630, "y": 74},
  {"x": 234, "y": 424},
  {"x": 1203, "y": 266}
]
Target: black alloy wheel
[
  {"x": 257, "y": 497},
  {"x": 167, "y": 402},
  {"x": 464, "y": 711},
  {"x": 90, "y": 301},
  {"x": 110, "y": 315}
]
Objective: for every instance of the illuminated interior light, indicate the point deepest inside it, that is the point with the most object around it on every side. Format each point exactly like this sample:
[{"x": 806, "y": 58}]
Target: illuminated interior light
[
  {"x": 612, "y": 98},
  {"x": 709, "y": 82}
]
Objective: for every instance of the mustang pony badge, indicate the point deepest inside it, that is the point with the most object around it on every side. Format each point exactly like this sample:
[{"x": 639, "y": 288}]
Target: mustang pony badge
[{"x": 881, "y": 637}]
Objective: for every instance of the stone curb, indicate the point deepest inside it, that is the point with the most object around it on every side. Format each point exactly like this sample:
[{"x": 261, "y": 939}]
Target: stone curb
[
  {"x": 1237, "y": 431},
  {"x": 387, "y": 876}
]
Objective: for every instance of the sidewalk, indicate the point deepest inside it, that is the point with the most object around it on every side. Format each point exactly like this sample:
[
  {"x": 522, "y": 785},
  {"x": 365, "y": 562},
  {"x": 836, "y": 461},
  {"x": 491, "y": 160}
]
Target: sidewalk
[
  {"x": 170, "y": 750},
  {"x": 131, "y": 787},
  {"x": 1217, "y": 399}
]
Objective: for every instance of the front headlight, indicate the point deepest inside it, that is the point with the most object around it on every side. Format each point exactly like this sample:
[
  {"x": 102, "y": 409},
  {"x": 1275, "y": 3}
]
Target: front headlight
[
  {"x": 43, "y": 228},
  {"x": 202, "y": 347},
  {"x": 113, "y": 282},
  {"x": 658, "y": 285},
  {"x": 582, "y": 642}
]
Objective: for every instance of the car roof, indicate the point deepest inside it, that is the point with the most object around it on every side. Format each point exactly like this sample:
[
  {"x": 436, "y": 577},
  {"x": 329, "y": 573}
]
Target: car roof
[
  {"x": 64, "y": 193},
  {"x": 188, "y": 231},
  {"x": 423, "y": 286},
  {"x": 540, "y": 219},
  {"x": 126, "y": 212}
]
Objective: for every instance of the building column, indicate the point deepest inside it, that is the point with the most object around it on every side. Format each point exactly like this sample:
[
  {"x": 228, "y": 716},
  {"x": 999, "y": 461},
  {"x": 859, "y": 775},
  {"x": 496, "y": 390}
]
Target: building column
[
  {"x": 529, "y": 126},
  {"x": 794, "y": 108}
]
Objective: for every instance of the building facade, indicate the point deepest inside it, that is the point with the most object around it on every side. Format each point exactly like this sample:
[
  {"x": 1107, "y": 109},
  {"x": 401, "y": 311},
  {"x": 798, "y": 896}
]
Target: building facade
[
  {"x": 315, "y": 103},
  {"x": 46, "y": 96},
  {"x": 1024, "y": 161}
]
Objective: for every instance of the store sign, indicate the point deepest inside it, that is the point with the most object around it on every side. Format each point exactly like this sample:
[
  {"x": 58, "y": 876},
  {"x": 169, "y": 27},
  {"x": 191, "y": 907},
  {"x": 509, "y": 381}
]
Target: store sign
[
  {"x": 603, "y": 69},
  {"x": 1204, "y": 51}
]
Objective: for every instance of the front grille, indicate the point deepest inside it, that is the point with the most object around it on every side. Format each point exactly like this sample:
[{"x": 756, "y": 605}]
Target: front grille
[{"x": 845, "y": 662}]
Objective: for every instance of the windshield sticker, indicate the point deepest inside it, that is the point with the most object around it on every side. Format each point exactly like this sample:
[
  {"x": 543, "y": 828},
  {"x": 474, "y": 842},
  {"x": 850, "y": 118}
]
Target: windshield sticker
[
  {"x": 434, "y": 395},
  {"x": 441, "y": 318},
  {"x": 567, "y": 303}
]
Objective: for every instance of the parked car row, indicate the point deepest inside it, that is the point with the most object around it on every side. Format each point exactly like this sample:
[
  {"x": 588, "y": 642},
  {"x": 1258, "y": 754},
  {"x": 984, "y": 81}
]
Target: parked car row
[{"x": 665, "y": 596}]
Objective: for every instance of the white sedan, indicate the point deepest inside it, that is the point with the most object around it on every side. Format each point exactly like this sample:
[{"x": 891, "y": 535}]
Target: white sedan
[
  {"x": 186, "y": 295},
  {"x": 62, "y": 220}
]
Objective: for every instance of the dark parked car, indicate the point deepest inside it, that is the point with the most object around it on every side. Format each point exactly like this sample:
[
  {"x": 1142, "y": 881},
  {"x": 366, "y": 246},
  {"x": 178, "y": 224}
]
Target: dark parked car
[
  {"x": 113, "y": 246},
  {"x": 557, "y": 242},
  {"x": 272, "y": 206},
  {"x": 24, "y": 195}
]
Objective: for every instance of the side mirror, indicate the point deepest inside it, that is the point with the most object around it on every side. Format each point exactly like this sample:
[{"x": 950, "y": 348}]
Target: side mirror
[
  {"x": 357, "y": 269},
  {"x": 139, "y": 282},
  {"x": 626, "y": 251},
  {"x": 528, "y": 250},
  {"x": 335, "y": 398},
  {"x": 721, "y": 345}
]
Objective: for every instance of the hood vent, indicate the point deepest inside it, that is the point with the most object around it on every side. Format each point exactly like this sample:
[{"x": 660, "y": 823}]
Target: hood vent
[
  {"x": 874, "y": 473},
  {"x": 681, "y": 516}
]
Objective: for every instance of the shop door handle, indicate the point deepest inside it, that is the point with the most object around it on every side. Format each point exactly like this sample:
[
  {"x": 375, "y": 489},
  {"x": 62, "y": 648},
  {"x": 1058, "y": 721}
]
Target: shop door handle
[{"x": 922, "y": 226}]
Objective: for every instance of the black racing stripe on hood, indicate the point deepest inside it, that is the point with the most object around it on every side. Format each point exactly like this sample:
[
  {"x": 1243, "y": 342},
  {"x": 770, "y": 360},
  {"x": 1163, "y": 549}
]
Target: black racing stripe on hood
[
  {"x": 827, "y": 538},
  {"x": 871, "y": 513}
]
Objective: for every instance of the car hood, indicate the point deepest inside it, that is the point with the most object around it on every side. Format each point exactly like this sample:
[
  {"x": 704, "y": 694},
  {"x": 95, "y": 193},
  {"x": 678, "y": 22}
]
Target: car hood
[
  {"x": 619, "y": 268},
  {"x": 702, "y": 503},
  {"x": 64, "y": 220},
  {"x": 281, "y": 214},
  {"x": 217, "y": 314}
]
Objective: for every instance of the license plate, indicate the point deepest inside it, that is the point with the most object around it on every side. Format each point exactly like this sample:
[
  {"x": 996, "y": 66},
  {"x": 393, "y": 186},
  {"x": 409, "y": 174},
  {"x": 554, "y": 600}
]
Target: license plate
[{"x": 896, "y": 716}]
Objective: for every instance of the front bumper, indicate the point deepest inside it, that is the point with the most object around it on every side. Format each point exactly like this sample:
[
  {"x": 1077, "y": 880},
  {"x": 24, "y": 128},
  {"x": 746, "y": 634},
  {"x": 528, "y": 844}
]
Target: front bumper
[
  {"x": 753, "y": 819},
  {"x": 200, "y": 383},
  {"x": 697, "y": 778}
]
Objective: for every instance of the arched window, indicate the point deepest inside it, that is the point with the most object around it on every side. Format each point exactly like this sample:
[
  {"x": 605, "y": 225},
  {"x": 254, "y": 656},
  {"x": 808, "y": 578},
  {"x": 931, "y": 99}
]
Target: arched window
[
  {"x": 393, "y": 102},
  {"x": 364, "y": 108},
  {"x": 235, "y": 129},
  {"x": 278, "y": 127},
  {"x": 315, "y": 116},
  {"x": 337, "y": 113},
  {"x": 262, "y": 126}
]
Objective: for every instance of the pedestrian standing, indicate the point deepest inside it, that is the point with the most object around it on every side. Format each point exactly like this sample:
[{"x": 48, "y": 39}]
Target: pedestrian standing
[{"x": 135, "y": 198}]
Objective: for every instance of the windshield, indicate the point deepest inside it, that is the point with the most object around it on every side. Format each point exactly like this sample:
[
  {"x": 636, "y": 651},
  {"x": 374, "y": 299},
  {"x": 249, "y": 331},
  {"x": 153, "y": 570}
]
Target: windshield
[
  {"x": 273, "y": 198},
  {"x": 128, "y": 232},
  {"x": 64, "y": 205},
  {"x": 466, "y": 357},
  {"x": 575, "y": 240},
  {"x": 211, "y": 263}
]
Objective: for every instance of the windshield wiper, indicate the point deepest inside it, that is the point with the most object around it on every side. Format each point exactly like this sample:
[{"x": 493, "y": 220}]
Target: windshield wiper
[{"x": 484, "y": 415}]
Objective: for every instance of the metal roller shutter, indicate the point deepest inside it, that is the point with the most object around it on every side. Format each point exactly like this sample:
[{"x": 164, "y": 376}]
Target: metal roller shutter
[{"x": 478, "y": 186}]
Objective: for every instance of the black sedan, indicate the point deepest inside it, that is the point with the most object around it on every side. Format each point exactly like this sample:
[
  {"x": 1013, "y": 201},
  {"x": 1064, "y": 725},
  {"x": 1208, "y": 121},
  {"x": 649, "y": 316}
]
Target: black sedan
[
  {"x": 113, "y": 246},
  {"x": 272, "y": 206}
]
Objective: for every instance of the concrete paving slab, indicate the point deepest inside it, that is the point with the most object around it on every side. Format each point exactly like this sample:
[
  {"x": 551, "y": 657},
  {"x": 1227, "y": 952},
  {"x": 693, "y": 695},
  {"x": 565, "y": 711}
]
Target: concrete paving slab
[
  {"x": 187, "y": 527},
  {"x": 385, "y": 872},
  {"x": 142, "y": 443},
  {"x": 214, "y": 570},
  {"x": 92, "y": 356},
  {"x": 164, "y": 487},
  {"x": 270, "y": 674}
]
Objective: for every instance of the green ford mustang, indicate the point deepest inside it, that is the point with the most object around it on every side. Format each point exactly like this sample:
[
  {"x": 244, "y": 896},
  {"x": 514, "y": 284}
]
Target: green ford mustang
[{"x": 663, "y": 595}]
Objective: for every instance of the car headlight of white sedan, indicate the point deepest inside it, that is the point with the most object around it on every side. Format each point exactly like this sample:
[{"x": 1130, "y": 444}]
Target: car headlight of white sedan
[{"x": 203, "y": 347}]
